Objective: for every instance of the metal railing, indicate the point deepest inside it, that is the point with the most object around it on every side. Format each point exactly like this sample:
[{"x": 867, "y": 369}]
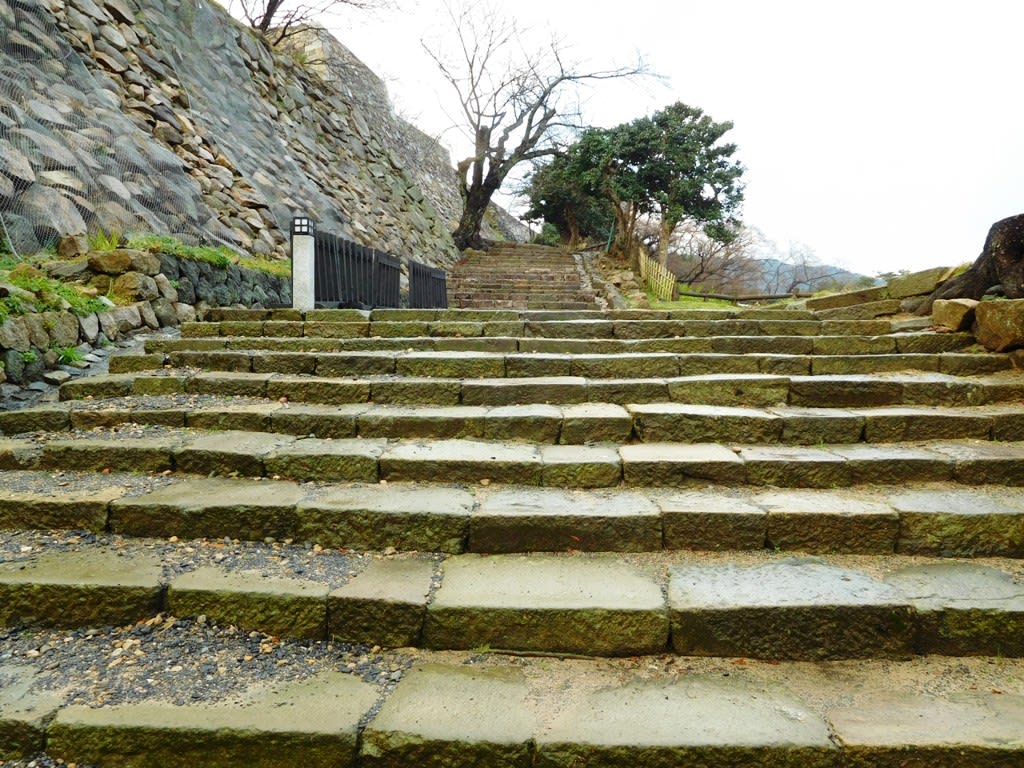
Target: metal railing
[
  {"x": 353, "y": 276},
  {"x": 428, "y": 287}
]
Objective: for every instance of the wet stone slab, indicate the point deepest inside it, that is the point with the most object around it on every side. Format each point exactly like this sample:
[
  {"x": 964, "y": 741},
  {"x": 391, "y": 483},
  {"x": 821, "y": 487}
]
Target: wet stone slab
[
  {"x": 653, "y": 464},
  {"x": 63, "y": 509},
  {"x": 697, "y": 721},
  {"x": 285, "y": 607},
  {"x": 961, "y": 521},
  {"x": 225, "y": 453},
  {"x": 973, "y": 728},
  {"x": 71, "y": 589},
  {"x": 546, "y": 603},
  {"x": 552, "y": 519},
  {"x": 24, "y": 712},
  {"x": 964, "y": 609},
  {"x": 384, "y": 605},
  {"x": 448, "y": 716},
  {"x": 796, "y": 608},
  {"x": 369, "y": 517},
  {"x": 313, "y": 723},
  {"x": 678, "y": 422},
  {"x": 210, "y": 508},
  {"x": 832, "y": 521},
  {"x": 710, "y": 521},
  {"x": 462, "y": 461}
]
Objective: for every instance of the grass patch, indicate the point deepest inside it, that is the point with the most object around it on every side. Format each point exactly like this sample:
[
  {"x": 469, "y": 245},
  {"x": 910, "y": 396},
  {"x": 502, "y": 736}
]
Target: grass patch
[
  {"x": 48, "y": 295},
  {"x": 217, "y": 255},
  {"x": 104, "y": 241},
  {"x": 689, "y": 302},
  {"x": 68, "y": 355}
]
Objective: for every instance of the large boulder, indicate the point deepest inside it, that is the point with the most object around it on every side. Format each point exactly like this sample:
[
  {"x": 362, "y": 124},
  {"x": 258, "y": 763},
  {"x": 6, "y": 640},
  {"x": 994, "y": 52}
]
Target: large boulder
[
  {"x": 1001, "y": 264},
  {"x": 954, "y": 314},
  {"x": 917, "y": 283},
  {"x": 999, "y": 325}
]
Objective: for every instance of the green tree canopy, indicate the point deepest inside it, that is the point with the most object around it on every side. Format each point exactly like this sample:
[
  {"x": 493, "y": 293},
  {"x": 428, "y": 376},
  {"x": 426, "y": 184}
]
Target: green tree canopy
[{"x": 670, "y": 166}]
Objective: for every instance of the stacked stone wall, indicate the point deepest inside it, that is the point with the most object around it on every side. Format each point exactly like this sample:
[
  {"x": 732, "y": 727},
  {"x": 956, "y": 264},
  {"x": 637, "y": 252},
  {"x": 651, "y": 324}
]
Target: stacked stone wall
[
  {"x": 168, "y": 116},
  {"x": 161, "y": 291}
]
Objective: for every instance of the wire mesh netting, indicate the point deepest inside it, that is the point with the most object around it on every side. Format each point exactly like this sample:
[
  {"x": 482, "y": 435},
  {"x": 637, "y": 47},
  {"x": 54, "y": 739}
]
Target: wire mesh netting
[
  {"x": 127, "y": 116},
  {"x": 72, "y": 160}
]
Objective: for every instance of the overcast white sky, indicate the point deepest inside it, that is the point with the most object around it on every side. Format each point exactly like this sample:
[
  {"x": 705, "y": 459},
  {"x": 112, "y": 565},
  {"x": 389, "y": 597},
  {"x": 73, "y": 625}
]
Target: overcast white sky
[{"x": 885, "y": 135}]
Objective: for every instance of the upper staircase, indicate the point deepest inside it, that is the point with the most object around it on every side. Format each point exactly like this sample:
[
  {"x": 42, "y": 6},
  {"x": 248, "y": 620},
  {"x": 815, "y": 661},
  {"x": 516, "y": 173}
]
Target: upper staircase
[
  {"x": 637, "y": 538},
  {"x": 512, "y": 275}
]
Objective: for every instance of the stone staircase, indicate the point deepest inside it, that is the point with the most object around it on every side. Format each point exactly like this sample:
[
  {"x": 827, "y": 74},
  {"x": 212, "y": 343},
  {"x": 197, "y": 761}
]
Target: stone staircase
[
  {"x": 514, "y": 275},
  {"x": 749, "y": 537}
]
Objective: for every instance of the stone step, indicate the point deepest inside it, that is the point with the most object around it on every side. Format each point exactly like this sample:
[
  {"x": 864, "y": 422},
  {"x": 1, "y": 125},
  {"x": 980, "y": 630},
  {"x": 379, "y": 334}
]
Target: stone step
[
  {"x": 530, "y": 304},
  {"x": 834, "y": 393},
  {"x": 602, "y": 465},
  {"x": 748, "y": 357},
  {"x": 753, "y": 606},
  {"x": 216, "y": 314},
  {"x": 555, "y": 713},
  {"x": 910, "y": 519},
  {"x": 835, "y": 337},
  {"x": 448, "y": 339},
  {"x": 512, "y": 280},
  {"x": 573, "y": 424}
]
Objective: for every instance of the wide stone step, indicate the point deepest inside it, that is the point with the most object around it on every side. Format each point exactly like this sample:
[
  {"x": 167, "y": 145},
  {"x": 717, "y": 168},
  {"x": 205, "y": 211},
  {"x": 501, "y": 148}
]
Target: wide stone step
[
  {"x": 543, "y": 423},
  {"x": 450, "y": 338},
  {"x": 911, "y": 519},
  {"x": 259, "y": 454},
  {"x": 216, "y": 314},
  {"x": 836, "y": 337},
  {"x": 753, "y": 606},
  {"x": 556, "y": 714},
  {"x": 747, "y": 390},
  {"x": 476, "y": 364}
]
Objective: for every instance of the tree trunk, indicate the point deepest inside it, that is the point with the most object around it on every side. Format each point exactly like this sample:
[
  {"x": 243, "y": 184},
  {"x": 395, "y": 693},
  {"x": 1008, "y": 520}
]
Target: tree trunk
[
  {"x": 1001, "y": 263},
  {"x": 574, "y": 229},
  {"x": 664, "y": 235},
  {"x": 474, "y": 205}
]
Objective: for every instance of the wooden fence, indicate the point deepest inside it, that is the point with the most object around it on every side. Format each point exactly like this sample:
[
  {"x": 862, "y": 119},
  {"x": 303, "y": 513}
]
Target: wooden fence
[{"x": 657, "y": 278}]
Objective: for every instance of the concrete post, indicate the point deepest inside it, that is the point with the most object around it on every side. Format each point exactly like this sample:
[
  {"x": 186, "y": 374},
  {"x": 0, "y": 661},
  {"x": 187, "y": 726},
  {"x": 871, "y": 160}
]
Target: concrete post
[{"x": 303, "y": 253}]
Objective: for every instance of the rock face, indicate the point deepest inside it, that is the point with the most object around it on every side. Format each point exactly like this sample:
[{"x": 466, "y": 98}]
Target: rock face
[
  {"x": 170, "y": 117},
  {"x": 999, "y": 270}
]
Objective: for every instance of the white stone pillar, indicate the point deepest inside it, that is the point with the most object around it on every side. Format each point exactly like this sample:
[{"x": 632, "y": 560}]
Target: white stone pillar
[{"x": 303, "y": 271}]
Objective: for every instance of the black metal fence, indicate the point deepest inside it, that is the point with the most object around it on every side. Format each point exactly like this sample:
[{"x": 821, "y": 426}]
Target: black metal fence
[
  {"x": 349, "y": 275},
  {"x": 428, "y": 287}
]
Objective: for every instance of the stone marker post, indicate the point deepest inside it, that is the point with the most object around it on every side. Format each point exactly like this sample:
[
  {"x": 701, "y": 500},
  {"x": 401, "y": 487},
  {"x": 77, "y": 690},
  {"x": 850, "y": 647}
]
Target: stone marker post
[{"x": 303, "y": 253}]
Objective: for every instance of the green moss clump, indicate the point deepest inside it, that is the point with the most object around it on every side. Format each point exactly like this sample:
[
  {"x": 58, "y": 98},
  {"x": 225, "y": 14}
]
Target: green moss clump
[
  {"x": 218, "y": 255},
  {"x": 49, "y": 295}
]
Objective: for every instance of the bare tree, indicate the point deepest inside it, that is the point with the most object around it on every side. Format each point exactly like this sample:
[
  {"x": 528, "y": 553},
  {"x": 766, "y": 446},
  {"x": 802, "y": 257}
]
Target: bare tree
[
  {"x": 278, "y": 19},
  {"x": 715, "y": 265},
  {"x": 797, "y": 269},
  {"x": 512, "y": 102}
]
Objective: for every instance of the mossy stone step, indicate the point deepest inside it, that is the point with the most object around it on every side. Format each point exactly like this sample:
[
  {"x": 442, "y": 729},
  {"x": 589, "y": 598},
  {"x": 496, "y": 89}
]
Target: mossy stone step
[
  {"x": 313, "y": 723},
  {"x": 257, "y": 454},
  {"x": 931, "y": 520},
  {"x": 595, "y": 605},
  {"x": 481, "y": 364},
  {"x": 561, "y": 713},
  {"x": 568, "y": 424},
  {"x": 835, "y": 337},
  {"x": 216, "y": 314}
]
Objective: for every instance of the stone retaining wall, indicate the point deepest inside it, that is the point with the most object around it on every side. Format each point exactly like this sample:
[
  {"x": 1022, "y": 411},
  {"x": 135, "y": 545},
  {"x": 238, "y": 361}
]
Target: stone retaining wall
[
  {"x": 170, "y": 117},
  {"x": 160, "y": 290}
]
